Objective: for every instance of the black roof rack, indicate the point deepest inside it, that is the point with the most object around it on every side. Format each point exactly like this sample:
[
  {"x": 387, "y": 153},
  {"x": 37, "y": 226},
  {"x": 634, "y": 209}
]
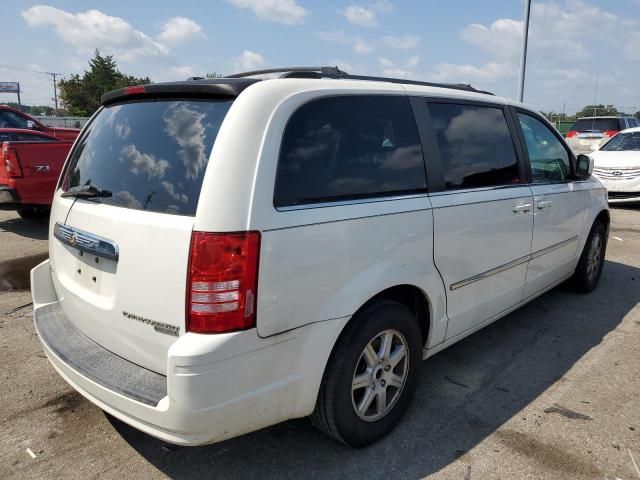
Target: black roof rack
[{"x": 335, "y": 72}]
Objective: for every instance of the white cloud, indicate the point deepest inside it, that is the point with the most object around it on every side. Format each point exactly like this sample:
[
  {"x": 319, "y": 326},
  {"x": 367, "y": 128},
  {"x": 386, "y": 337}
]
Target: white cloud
[
  {"x": 171, "y": 190},
  {"x": 183, "y": 71},
  {"x": 140, "y": 162},
  {"x": 489, "y": 72},
  {"x": 248, "y": 61},
  {"x": 186, "y": 126},
  {"x": 383, "y": 5},
  {"x": 405, "y": 42},
  {"x": 178, "y": 30},
  {"x": 359, "y": 15},
  {"x": 336, "y": 36},
  {"x": 362, "y": 47},
  {"x": 342, "y": 65},
  {"x": 280, "y": 11},
  {"x": 92, "y": 29},
  {"x": 390, "y": 69}
]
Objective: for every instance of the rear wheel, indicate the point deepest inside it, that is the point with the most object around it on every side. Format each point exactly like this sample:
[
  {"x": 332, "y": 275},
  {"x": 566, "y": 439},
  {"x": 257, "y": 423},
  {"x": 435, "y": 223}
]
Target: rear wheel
[
  {"x": 370, "y": 378},
  {"x": 589, "y": 268},
  {"x": 34, "y": 213}
]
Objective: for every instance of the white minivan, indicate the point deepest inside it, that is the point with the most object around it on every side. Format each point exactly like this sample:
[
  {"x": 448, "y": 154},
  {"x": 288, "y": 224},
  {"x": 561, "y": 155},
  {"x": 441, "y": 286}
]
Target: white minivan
[{"x": 231, "y": 253}]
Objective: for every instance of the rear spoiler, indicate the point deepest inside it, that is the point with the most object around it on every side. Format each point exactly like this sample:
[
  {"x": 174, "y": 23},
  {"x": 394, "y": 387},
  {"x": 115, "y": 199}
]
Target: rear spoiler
[{"x": 223, "y": 88}]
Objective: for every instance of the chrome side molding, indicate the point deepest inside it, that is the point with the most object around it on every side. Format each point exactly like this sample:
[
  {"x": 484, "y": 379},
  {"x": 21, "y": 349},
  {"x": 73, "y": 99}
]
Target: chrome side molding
[
  {"x": 512, "y": 264},
  {"x": 86, "y": 242}
]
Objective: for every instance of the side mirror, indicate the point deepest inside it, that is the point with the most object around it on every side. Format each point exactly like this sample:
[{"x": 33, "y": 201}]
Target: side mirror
[
  {"x": 584, "y": 166},
  {"x": 593, "y": 148}
]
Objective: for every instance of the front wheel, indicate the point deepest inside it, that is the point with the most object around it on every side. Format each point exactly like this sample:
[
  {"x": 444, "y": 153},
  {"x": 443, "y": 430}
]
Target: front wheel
[
  {"x": 589, "y": 269},
  {"x": 370, "y": 378}
]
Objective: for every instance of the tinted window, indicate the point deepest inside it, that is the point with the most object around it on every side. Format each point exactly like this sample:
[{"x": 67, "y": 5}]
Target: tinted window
[
  {"x": 28, "y": 137},
  {"x": 597, "y": 124},
  {"x": 349, "y": 147},
  {"x": 151, "y": 155},
  {"x": 12, "y": 120},
  {"x": 623, "y": 141},
  {"x": 548, "y": 157},
  {"x": 475, "y": 146}
]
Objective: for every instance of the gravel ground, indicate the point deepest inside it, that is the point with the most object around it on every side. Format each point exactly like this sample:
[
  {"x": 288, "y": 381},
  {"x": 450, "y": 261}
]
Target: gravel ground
[{"x": 551, "y": 391}]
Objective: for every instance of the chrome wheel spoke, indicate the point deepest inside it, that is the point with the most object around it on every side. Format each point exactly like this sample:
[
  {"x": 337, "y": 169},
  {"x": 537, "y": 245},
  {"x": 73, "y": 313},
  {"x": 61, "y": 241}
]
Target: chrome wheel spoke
[
  {"x": 365, "y": 403},
  {"x": 361, "y": 381},
  {"x": 370, "y": 356},
  {"x": 381, "y": 401},
  {"x": 385, "y": 346},
  {"x": 398, "y": 354},
  {"x": 395, "y": 381}
]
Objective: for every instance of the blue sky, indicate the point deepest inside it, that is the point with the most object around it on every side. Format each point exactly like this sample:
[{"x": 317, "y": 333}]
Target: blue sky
[{"x": 478, "y": 42}]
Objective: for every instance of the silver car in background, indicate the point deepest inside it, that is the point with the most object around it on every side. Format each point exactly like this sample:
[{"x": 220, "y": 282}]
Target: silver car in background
[{"x": 589, "y": 133}]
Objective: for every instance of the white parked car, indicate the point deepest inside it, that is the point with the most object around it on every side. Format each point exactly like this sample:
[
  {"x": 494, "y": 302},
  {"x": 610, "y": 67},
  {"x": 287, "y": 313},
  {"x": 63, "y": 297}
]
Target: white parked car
[
  {"x": 617, "y": 166},
  {"x": 228, "y": 254}
]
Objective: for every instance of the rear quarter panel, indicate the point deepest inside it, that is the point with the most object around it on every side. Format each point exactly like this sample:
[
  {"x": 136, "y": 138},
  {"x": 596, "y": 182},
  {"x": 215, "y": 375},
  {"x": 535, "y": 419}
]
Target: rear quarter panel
[
  {"x": 316, "y": 264},
  {"x": 41, "y": 163}
]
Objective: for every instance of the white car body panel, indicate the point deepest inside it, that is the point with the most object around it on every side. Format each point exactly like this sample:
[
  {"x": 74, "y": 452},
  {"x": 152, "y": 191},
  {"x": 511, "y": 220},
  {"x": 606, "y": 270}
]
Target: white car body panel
[
  {"x": 475, "y": 232},
  {"x": 318, "y": 265},
  {"x": 619, "y": 171}
]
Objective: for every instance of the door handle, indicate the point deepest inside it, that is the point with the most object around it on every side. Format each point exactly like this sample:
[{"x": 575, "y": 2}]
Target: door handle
[
  {"x": 544, "y": 204},
  {"x": 525, "y": 207}
]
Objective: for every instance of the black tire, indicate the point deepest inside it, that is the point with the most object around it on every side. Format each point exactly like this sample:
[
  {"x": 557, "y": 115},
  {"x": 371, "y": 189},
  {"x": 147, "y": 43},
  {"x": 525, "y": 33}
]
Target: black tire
[
  {"x": 34, "y": 213},
  {"x": 335, "y": 412},
  {"x": 588, "y": 272}
]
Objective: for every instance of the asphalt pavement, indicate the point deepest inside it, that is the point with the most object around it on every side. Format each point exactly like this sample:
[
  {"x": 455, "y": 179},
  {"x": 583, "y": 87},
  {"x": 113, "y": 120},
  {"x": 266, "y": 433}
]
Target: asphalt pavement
[{"x": 551, "y": 391}]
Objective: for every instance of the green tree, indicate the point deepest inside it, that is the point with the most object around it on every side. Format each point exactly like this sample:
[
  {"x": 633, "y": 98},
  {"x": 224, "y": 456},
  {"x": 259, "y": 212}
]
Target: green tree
[
  {"x": 34, "y": 110},
  {"x": 81, "y": 94},
  {"x": 599, "y": 110},
  {"x": 637, "y": 114}
]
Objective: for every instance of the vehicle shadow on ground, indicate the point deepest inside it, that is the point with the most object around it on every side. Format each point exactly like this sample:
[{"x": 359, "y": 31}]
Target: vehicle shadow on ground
[
  {"x": 464, "y": 394},
  {"x": 35, "y": 229}
]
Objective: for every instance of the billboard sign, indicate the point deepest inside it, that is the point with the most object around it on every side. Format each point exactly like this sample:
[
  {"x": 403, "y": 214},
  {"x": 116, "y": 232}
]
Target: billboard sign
[{"x": 9, "y": 87}]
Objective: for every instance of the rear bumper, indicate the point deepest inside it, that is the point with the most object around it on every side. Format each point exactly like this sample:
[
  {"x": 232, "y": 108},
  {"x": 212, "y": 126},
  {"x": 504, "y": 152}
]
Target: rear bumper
[
  {"x": 217, "y": 386},
  {"x": 9, "y": 197}
]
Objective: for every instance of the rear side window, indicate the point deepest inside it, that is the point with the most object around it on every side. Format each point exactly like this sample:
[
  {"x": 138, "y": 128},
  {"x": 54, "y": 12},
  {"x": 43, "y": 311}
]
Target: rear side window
[
  {"x": 10, "y": 119},
  {"x": 150, "y": 155},
  {"x": 349, "y": 147},
  {"x": 475, "y": 145}
]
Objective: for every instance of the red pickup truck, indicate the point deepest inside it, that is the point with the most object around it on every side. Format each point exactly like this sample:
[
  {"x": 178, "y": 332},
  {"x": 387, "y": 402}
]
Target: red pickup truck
[
  {"x": 12, "y": 118},
  {"x": 30, "y": 164}
]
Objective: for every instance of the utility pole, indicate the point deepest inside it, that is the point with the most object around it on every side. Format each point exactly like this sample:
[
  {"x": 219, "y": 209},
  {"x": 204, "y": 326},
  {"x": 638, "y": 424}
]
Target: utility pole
[
  {"x": 55, "y": 90},
  {"x": 523, "y": 58}
]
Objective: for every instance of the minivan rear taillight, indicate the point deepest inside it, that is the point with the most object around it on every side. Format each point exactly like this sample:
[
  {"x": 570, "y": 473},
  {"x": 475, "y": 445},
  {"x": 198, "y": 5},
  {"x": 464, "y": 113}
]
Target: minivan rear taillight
[
  {"x": 223, "y": 281},
  {"x": 571, "y": 134},
  {"x": 610, "y": 133},
  {"x": 9, "y": 160}
]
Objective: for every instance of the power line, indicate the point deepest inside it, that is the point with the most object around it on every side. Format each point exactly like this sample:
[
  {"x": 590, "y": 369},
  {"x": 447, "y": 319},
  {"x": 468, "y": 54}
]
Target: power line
[{"x": 53, "y": 75}]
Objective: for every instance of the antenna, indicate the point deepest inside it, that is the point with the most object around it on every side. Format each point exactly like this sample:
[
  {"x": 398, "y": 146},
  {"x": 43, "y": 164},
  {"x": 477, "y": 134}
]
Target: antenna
[{"x": 595, "y": 110}]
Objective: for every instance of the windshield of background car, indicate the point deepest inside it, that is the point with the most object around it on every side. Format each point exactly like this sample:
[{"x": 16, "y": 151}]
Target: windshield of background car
[
  {"x": 151, "y": 155},
  {"x": 622, "y": 142}
]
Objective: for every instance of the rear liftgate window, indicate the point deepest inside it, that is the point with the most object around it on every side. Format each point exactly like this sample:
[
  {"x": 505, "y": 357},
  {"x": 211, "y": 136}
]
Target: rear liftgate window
[
  {"x": 151, "y": 155},
  {"x": 349, "y": 147}
]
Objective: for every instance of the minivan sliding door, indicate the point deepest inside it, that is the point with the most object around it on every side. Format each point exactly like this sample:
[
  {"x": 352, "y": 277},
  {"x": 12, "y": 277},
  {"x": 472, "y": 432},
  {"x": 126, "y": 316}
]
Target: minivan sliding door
[{"x": 482, "y": 212}]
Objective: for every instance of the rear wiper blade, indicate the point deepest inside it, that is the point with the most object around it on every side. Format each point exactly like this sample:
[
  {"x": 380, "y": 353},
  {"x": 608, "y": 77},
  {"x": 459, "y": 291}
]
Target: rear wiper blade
[{"x": 87, "y": 191}]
